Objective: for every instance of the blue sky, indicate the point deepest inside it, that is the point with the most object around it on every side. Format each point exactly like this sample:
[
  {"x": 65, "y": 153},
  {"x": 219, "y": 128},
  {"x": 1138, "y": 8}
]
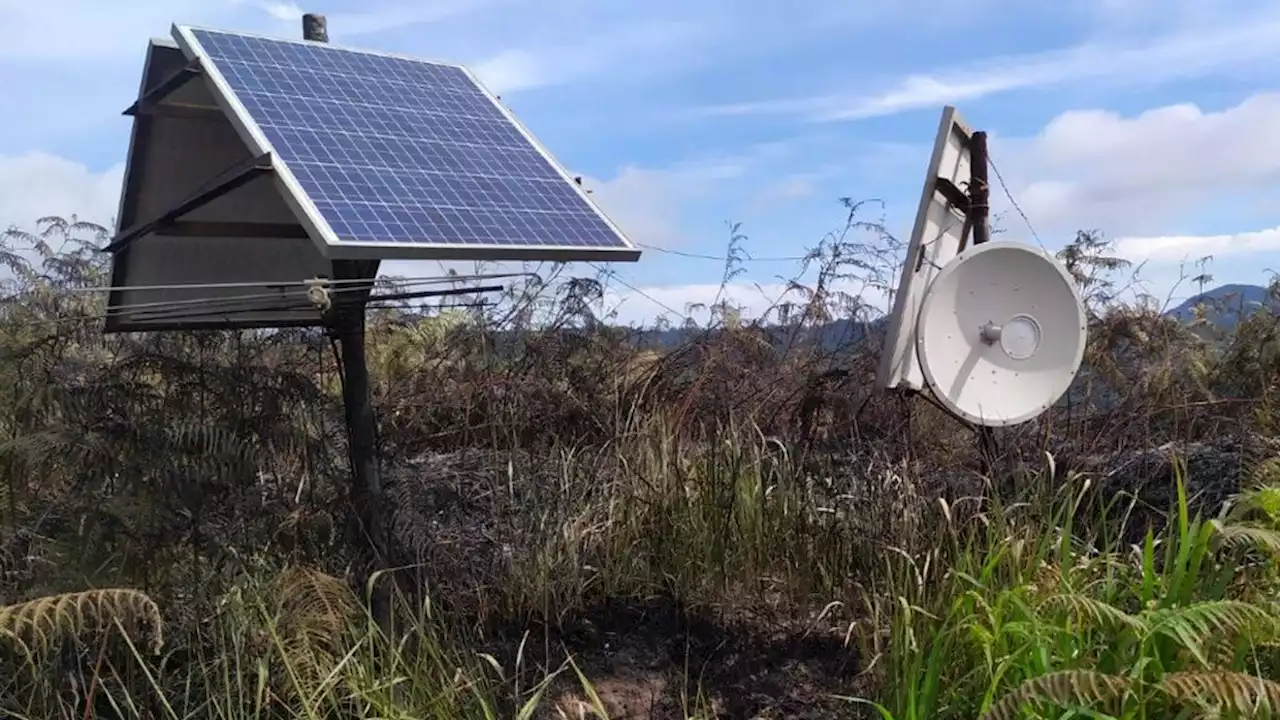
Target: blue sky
[{"x": 1152, "y": 121}]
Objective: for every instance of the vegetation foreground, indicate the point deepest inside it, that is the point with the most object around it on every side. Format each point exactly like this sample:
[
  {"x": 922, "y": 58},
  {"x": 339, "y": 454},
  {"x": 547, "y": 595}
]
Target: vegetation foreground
[{"x": 581, "y": 528}]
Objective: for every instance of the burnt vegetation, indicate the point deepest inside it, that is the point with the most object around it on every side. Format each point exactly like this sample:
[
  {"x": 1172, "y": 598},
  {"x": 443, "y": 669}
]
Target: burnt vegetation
[{"x": 717, "y": 519}]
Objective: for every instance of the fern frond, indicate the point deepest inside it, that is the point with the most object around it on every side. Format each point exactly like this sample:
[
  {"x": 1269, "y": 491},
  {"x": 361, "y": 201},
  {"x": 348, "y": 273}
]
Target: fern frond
[
  {"x": 1198, "y": 625},
  {"x": 315, "y": 603},
  {"x": 1093, "y": 612},
  {"x": 1265, "y": 495},
  {"x": 40, "y": 622},
  {"x": 19, "y": 645},
  {"x": 1069, "y": 688},
  {"x": 1265, "y": 475},
  {"x": 1246, "y": 695},
  {"x": 314, "y": 613},
  {"x": 1250, "y": 537}
]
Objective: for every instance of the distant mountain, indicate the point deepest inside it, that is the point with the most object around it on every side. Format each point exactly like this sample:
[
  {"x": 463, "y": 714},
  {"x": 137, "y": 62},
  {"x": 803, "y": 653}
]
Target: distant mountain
[
  {"x": 1225, "y": 306},
  {"x": 832, "y": 336}
]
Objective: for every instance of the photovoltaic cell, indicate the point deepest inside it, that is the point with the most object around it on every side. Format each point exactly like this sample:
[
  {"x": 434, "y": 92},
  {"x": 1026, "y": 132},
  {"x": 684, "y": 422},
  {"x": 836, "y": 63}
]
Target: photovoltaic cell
[{"x": 398, "y": 151}]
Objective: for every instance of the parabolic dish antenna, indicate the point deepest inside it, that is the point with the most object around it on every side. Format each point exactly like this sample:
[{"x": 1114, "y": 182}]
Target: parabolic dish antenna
[{"x": 1001, "y": 333}]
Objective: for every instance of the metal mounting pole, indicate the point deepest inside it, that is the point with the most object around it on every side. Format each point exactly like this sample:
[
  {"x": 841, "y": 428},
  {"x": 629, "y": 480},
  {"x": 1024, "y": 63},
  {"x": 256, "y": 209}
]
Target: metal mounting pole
[{"x": 347, "y": 323}]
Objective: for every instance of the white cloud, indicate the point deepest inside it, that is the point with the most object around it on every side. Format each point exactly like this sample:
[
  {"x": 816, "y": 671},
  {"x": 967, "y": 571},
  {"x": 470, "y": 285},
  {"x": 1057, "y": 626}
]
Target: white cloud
[
  {"x": 60, "y": 30},
  {"x": 75, "y": 30},
  {"x": 283, "y": 10},
  {"x": 369, "y": 19},
  {"x": 1142, "y": 175},
  {"x": 36, "y": 185},
  {"x": 787, "y": 189},
  {"x": 629, "y": 49},
  {"x": 380, "y": 17},
  {"x": 649, "y": 204},
  {"x": 643, "y": 203},
  {"x": 1171, "y": 185},
  {"x": 1189, "y": 248},
  {"x": 1118, "y": 17},
  {"x": 1186, "y": 53},
  {"x": 510, "y": 71},
  {"x": 575, "y": 42}
]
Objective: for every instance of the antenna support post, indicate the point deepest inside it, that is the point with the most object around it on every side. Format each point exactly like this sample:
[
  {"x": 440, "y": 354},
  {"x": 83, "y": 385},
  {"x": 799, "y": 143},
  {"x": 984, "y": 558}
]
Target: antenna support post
[
  {"x": 979, "y": 210},
  {"x": 347, "y": 323}
]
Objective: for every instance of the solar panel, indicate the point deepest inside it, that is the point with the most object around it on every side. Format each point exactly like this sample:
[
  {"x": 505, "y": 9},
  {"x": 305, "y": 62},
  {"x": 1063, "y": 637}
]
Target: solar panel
[{"x": 392, "y": 157}]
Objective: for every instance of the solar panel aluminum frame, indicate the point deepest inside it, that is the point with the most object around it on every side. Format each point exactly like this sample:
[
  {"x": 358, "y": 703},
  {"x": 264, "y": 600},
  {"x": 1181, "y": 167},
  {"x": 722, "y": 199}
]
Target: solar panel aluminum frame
[
  {"x": 318, "y": 228},
  {"x": 937, "y": 236}
]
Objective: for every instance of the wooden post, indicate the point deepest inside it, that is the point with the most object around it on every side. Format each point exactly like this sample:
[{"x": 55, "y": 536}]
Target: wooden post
[
  {"x": 347, "y": 323},
  {"x": 979, "y": 191},
  {"x": 315, "y": 27},
  {"x": 979, "y": 217}
]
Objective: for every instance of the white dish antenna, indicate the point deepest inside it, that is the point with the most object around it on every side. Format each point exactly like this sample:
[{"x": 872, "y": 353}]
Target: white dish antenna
[{"x": 1001, "y": 334}]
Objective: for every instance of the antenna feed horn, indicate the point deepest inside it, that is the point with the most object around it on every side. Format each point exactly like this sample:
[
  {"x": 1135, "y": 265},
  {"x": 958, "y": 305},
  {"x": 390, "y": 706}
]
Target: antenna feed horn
[{"x": 991, "y": 333}]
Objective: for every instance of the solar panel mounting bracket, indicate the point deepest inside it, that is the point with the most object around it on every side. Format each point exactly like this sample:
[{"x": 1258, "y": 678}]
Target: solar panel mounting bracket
[
  {"x": 954, "y": 195},
  {"x": 151, "y": 101},
  {"x": 229, "y": 180}
]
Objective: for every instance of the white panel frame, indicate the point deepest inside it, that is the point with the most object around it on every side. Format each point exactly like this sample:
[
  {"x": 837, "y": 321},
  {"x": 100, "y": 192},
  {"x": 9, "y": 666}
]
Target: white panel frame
[
  {"x": 936, "y": 238},
  {"x": 323, "y": 234}
]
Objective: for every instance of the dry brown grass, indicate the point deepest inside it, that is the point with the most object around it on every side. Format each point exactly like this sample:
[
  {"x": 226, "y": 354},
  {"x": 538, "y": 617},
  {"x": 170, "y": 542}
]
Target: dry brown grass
[{"x": 749, "y": 479}]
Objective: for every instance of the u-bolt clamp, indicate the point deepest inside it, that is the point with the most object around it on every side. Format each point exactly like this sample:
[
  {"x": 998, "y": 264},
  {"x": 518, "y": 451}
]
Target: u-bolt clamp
[{"x": 318, "y": 293}]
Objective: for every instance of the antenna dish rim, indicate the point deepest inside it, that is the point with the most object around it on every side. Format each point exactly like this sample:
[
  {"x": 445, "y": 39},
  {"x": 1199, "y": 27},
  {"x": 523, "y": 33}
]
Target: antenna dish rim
[{"x": 930, "y": 300}]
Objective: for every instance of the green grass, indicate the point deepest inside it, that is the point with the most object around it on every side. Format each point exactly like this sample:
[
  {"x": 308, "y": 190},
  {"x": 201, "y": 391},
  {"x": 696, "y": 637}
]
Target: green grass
[{"x": 1019, "y": 616}]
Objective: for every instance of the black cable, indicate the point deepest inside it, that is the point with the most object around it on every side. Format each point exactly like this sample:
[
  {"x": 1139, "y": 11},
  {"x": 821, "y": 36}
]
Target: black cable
[{"x": 746, "y": 257}]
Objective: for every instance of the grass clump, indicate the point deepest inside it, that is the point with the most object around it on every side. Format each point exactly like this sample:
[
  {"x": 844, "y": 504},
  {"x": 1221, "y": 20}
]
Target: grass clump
[
  {"x": 1020, "y": 616},
  {"x": 296, "y": 647}
]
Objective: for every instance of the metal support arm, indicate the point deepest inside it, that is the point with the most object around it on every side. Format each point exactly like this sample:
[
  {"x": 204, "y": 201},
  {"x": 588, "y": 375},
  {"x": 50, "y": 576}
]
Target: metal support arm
[
  {"x": 156, "y": 95},
  {"x": 229, "y": 180}
]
